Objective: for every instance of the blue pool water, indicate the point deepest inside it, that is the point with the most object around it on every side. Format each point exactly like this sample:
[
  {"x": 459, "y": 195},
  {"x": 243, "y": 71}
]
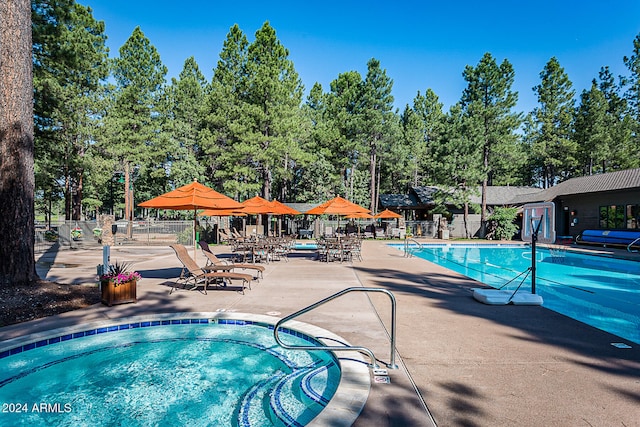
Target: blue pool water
[
  {"x": 191, "y": 372},
  {"x": 601, "y": 291}
]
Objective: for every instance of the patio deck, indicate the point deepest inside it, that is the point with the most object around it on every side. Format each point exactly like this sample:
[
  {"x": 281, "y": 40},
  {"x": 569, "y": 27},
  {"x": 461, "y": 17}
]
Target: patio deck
[{"x": 473, "y": 364}]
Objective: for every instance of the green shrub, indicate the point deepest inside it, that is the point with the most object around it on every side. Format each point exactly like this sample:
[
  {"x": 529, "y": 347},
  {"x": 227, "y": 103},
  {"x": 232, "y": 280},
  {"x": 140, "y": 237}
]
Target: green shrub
[{"x": 501, "y": 224}]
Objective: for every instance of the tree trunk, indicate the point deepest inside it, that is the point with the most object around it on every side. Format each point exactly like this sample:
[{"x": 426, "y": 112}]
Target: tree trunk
[
  {"x": 372, "y": 171},
  {"x": 76, "y": 205},
  {"x": 17, "y": 182},
  {"x": 466, "y": 220}
]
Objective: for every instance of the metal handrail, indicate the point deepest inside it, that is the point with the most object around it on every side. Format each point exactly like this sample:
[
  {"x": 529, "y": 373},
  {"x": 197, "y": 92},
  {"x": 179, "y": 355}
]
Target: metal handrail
[
  {"x": 407, "y": 252},
  {"x": 368, "y": 352},
  {"x": 631, "y": 244}
]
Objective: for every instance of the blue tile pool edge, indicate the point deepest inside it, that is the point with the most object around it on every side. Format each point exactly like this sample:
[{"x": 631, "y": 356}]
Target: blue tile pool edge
[
  {"x": 346, "y": 404},
  {"x": 65, "y": 334}
]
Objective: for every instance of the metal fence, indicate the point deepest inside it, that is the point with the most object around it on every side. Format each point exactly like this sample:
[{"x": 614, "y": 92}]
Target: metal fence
[{"x": 87, "y": 234}]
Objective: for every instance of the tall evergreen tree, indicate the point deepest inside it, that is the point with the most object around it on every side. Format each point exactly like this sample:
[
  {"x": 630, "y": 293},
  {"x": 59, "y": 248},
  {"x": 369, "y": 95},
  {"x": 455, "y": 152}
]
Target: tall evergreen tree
[
  {"x": 423, "y": 125},
  {"x": 554, "y": 149},
  {"x": 274, "y": 98},
  {"x": 345, "y": 147},
  {"x": 489, "y": 100},
  {"x": 632, "y": 96},
  {"x": 70, "y": 68},
  {"x": 17, "y": 261},
  {"x": 592, "y": 132},
  {"x": 228, "y": 163},
  {"x": 256, "y": 126},
  {"x": 186, "y": 97},
  {"x": 376, "y": 115},
  {"x": 459, "y": 169},
  {"x": 619, "y": 123},
  {"x": 316, "y": 178},
  {"x": 134, "y": 123}
]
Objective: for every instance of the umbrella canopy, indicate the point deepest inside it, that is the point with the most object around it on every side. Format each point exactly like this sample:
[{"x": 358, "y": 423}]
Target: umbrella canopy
[
  {"x": 359, "y": 215},
  {"x": 192, "y": 196},
  {"x": 222, "y": 212},
  {"x": 258, "y": 206},
  {"x": 283, "y": 209},
  {"x": 337, "y": 206},
  {"x": 387, "y": 214}
]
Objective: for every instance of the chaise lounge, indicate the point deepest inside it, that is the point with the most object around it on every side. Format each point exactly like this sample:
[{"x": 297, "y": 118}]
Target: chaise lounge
[
  {"x": 193, "y": 274},
  {"x": 213, "y": 262}
]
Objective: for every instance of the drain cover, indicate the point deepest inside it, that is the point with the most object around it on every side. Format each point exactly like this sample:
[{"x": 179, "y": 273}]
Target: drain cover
[{"x": 620, "y": 345}]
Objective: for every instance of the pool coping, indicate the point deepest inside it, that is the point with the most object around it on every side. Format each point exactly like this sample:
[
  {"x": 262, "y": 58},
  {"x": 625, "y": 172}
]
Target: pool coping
[{"x": 345, "y": 405}]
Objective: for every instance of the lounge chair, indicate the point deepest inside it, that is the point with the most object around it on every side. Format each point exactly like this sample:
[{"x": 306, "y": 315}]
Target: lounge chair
[
  {"x": 194, "y": 274},
  {"x": 214, "y": 262}
]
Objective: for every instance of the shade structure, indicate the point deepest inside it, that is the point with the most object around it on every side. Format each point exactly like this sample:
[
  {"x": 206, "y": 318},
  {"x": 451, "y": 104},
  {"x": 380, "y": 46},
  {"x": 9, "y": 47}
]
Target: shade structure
[
  {"x": 387, "y": 214},
  {"x": 192, "y": 196},
  {"x": 284, "y": 209},
  {"x": 359, "y": 215},
  {"x": 258, "y": 206},
  {"x": 222, "y": 212},
  {"x": 337, "y": 206}
]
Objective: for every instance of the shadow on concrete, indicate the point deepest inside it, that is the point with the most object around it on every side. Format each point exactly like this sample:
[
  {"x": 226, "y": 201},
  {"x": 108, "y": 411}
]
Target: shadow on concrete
[
  {"x": 541, "y": 325},
  {"x": 46, "y": 260}
]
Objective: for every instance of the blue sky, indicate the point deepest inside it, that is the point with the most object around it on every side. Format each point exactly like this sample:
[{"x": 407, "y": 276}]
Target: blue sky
[{"x": 421, "y": 44}]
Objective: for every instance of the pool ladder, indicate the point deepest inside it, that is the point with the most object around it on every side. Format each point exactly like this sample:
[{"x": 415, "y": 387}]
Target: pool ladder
[
  {"x": 368, "y": 352},
  {"x": 631, "y": 244},
  {"x": 408, "y": 249}
]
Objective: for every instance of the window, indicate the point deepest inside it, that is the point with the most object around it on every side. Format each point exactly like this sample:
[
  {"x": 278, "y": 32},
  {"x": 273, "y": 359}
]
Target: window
[
  {"x": 633, "y": 216},
  {"x": 612, "y": 216}
]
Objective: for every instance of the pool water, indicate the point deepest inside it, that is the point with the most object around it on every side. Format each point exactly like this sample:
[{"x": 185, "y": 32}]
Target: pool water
[
  {"x": 600, "y": 291},
  {"x": 196, "y": 374}
]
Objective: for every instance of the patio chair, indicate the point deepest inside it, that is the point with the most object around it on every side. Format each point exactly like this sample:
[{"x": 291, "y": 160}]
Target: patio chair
[
  {"x": 192, "y": 273},
  {"x": 214, "y": 262}
]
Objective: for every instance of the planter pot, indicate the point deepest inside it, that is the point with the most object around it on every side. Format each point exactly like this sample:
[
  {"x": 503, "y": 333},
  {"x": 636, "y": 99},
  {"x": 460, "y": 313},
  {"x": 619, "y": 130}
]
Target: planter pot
[{"x": 121, "y": 294}]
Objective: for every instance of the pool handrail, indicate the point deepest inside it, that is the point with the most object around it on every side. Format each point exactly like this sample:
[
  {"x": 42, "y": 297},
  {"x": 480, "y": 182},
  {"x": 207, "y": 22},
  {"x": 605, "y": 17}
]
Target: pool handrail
[
  {"x": 407, "y": 251},
  {"x": 631, "y": 244},
  {"x": 374, "y": 364}
]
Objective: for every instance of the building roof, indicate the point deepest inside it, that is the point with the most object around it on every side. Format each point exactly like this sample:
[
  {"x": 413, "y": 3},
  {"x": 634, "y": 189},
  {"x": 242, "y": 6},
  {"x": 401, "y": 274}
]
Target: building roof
[
  {"x": 612, "y": 181},
  {"x": 500, "y": 195},
  {"x": 422, "y": 197},
  {"x": 425, "y": 194},
  {"x": 399, "y": 201}
]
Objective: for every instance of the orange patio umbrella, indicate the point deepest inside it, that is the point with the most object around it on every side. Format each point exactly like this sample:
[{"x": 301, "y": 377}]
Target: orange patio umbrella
[
  {"x": 222, "y": 212},
  {"x": 258, "y": 205},
  {"x": 337, "y": 206},
  {"x": 192, "y": 196},
  {"x": 283, "y": 209},
  {"x": 387, "y": 214},
  {"x": 359, "y": 215}
]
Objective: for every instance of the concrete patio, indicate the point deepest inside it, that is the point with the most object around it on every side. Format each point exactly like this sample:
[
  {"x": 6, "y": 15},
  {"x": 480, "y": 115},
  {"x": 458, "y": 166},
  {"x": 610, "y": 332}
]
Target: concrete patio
[{"x": 461, "y": 363}]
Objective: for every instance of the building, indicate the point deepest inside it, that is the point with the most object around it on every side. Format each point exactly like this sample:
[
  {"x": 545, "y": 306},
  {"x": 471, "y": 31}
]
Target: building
[{"x": 605, "y": 201}]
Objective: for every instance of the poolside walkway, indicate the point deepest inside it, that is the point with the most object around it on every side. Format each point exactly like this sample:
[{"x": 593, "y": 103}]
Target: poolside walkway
[{"x": 473, "y": 364}]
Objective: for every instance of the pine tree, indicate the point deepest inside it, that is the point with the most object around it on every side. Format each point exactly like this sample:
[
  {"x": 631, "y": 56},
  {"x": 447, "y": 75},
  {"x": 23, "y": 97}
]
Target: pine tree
[
  {"x": 592, "y": 132},
  {"x": 376, "y": 118},
  {"x": 17, "y": 261},
  {"x": 185, "y": 97},
  {"x": 554, "y": 149},
  {"x": 632, "y": 97},
  {"x": 488, "y": 101},
  {"x": 459, "y": 169},
  {"x": 423, "y": 125},
  {"x": 135, "y": 140}
]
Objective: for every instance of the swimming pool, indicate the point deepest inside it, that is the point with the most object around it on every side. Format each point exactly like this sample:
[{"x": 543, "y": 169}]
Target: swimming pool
[
  {"x": 600, "y": 291},
  {"x": 190, "y": 369}
]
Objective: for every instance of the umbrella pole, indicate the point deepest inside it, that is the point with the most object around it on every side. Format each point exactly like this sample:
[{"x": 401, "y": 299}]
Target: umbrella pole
[{"x": 195, "y": 219}]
